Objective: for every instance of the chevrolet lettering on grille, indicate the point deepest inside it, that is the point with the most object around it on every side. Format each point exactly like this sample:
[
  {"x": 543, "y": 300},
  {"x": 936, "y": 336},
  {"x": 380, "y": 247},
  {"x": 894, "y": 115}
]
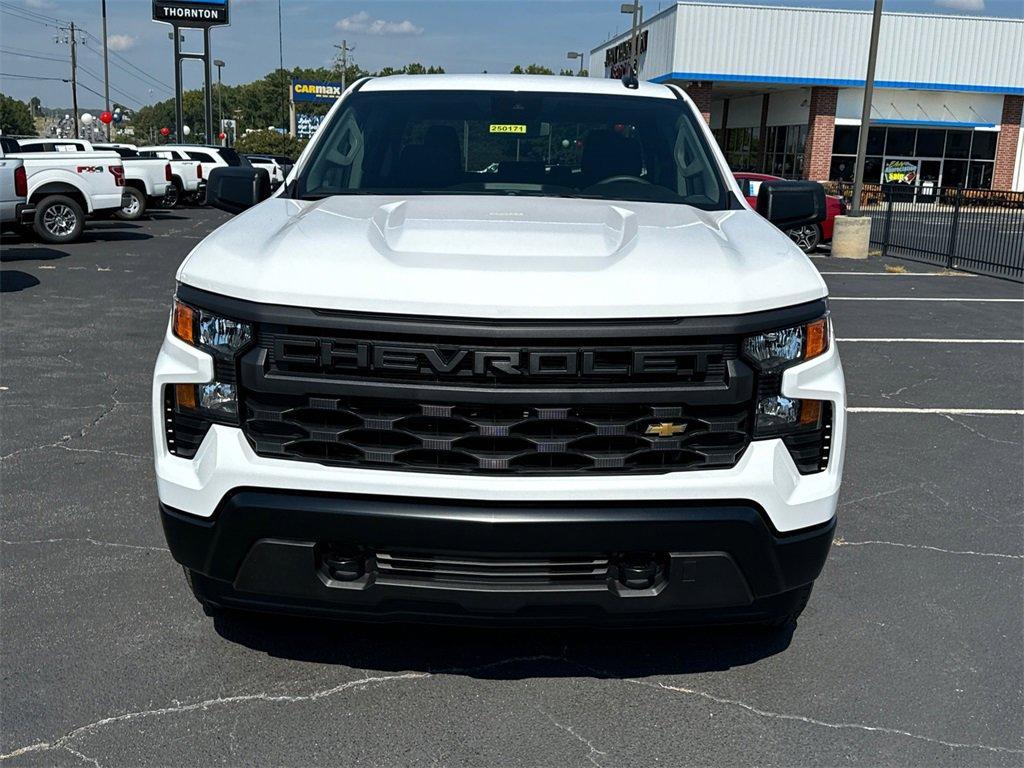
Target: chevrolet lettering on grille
[{"x": 344, "y": 356}]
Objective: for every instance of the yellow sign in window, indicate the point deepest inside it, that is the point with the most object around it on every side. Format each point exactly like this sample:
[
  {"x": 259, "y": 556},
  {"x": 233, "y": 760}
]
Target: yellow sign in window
[{"x": 507, "y": 128}]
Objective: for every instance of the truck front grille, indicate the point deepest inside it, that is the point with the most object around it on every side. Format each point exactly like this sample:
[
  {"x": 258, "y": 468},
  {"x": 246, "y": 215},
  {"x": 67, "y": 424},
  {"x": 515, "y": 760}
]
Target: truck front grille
[
  {"x": 398, "y": 567},
  {"x": 495, "y": 438}
]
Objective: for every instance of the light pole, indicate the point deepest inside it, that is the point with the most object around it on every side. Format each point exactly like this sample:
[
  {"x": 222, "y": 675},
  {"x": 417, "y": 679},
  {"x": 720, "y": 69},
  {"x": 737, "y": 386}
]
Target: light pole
[
  {"x": 637, "y": 12},
  {"x": 865, "y": 114},
  {"x": 576, "y": 55},
  {"x": 220, "y": 99}
]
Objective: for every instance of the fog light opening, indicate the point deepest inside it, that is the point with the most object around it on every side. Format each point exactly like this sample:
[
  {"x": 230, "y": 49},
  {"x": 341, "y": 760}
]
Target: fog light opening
[{"x": 639, "y": 570}]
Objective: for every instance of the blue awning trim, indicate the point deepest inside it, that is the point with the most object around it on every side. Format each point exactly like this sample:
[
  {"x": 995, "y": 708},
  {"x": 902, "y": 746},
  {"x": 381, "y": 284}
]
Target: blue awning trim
[{"x": 837, "y": 82}]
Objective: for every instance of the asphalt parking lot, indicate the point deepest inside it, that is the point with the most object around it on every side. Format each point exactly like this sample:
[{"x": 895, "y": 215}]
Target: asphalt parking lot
[{"x": 910, "y": 653}]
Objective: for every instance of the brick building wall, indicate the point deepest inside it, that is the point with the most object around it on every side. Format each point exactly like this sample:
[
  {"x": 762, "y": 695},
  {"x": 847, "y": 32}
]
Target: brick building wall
[
  {"x": 1006, "y": 146},
  {"x": 821, "y": 127},
  {"x": 700, "y": 92}
]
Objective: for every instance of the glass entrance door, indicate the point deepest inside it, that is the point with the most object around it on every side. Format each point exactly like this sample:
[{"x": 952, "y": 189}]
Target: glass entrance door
[{"x": 928, "y": 180}]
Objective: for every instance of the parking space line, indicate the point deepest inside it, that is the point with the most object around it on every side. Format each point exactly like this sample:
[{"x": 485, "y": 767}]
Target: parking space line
[
  {"x": 940, "y": 411},
  {"x": 902, "y": 274},
  {"x": 931, "y": 341},
  {"x": 921, "y": 298}
]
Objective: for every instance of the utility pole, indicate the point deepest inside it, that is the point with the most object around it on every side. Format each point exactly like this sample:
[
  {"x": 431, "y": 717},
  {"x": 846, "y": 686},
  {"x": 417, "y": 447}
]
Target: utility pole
[
  {"x": 343, "y": 55},
  {"x": 68, "y": 36},
  {"x": 865, "y": 114},
  {"x": 106, "y": 66}
]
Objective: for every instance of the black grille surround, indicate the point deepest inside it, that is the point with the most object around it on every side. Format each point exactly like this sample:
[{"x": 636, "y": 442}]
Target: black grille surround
[{"x": 449, "y": 395}]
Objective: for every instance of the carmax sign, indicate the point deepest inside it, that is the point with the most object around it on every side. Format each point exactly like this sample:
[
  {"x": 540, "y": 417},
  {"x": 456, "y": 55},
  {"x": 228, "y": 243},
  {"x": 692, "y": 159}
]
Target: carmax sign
[{"x": 312, "y": 90}]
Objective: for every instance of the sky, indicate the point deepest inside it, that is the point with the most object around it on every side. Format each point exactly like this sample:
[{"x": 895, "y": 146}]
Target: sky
[{"x": 459, "y": 35}]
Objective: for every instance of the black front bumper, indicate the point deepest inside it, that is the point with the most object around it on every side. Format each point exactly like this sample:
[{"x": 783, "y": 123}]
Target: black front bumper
[{"x": 720, "y": 562}]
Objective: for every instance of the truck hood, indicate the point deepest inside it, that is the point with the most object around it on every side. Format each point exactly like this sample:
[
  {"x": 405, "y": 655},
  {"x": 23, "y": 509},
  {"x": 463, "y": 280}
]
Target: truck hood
[{"x": 503, "y": 257}]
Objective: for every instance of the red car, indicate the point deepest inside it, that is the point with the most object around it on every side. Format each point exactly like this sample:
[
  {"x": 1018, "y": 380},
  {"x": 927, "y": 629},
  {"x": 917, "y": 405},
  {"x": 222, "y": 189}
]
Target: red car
[{"x": 808, "y": 237}]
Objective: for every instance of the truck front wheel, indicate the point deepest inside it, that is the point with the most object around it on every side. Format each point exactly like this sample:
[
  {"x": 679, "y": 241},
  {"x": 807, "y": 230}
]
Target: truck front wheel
[
  {"x": 134, "y": 206},
  {"x": 58, "y": 219}
]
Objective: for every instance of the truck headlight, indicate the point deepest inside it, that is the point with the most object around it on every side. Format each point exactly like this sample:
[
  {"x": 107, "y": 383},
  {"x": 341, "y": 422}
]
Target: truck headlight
[
  {"x": 772, "y": 350},
  {"x": 805, "y": 426},
  {"x": 219, "y": 335},
  {"x": 192, "y": 408}
]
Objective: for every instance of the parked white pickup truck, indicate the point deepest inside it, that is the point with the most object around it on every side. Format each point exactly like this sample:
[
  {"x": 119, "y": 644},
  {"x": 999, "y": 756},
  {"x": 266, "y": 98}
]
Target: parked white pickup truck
[
  {"x": 594, "y": 385},
  {"x": 186, "y": 174},
  {"x": 63, "y": 188},
  {"x": 13, "y": 189},
  {"x": 145, "y": 179}
]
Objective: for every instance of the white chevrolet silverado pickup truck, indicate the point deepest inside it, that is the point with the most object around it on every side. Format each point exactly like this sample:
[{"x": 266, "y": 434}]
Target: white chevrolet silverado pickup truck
[
  {"x": 145, "y": 178},
  {"x": 65, "y": 187},
  {"x": 589, "y": 385}
]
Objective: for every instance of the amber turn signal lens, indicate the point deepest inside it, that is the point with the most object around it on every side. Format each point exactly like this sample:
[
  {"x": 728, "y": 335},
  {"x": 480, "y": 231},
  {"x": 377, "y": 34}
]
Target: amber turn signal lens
[
  {"x": 810, "y": 412},
  {"x": 184, "y": 322},
  {"x": 185, "y": 395},
  {"x": 817, "y": 338}
]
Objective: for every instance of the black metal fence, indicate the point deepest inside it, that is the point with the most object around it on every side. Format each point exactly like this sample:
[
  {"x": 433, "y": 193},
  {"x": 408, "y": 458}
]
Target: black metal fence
[{"x": 975, "y": 230}]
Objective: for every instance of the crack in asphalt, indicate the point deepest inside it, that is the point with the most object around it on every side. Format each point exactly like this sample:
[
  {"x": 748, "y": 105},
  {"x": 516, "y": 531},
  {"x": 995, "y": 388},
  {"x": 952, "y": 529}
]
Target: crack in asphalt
[
  {"x": 840, "y": 542},
  {"x": 767, "y": 713},
  {"x": 62, "y": 443},
  {"x": 583, "y": 740},
  {"x": 83, "y": 540},
  {"x": 62, "y": 742}
]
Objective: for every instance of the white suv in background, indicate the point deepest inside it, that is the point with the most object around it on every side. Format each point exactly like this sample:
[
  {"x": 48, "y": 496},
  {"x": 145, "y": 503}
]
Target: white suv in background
[{"x": 593, "y": 385}]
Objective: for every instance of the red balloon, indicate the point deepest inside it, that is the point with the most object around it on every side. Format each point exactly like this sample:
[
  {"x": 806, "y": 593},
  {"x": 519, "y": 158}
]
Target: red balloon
[
  {"x": 165, "y": 131},
  {"x": 106, "y": 118},
  {"x": 222, "y": 136}
]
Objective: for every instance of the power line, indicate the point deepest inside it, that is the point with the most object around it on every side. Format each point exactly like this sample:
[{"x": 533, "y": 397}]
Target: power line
[
  {"x": 9, "y": 52},
  {"x": 34, "y": 77},
  {"x": 140, "y": 72},
  {"x": 25, "y": 14}
]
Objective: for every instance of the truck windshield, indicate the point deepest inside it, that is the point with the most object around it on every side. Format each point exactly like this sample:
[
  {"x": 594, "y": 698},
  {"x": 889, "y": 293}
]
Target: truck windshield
[{"x": 512, "y": 143}]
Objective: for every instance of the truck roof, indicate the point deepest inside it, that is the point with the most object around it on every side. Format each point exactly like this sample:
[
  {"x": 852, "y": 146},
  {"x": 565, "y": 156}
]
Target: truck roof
[{"x": 531, "y": 83}]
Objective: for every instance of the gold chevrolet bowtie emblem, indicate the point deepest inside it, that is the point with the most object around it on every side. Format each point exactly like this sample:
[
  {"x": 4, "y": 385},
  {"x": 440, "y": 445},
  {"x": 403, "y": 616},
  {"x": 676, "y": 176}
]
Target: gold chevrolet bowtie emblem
[{"x": 666, "y": 429}]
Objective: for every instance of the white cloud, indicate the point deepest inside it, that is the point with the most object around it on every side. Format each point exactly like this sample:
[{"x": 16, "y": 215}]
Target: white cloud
[
  {"x": 39, "y": 3},
  {"x": 364, "y": 23},
  {"x": 971, "y": 6},
  {"x": 120, "y": 42}
]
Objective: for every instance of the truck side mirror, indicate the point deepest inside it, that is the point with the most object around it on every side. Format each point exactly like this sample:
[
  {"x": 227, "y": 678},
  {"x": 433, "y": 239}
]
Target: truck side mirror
[
  {"x": 791, "y": 204},
  {"x": 236, "y": 189}
]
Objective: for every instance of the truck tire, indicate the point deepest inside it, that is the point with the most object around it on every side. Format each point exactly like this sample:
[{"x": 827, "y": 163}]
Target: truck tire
[
  {"x": 172, "y": 198},
  {"x": 135, "y": 207},
  {"x": 58, "y": 219}
]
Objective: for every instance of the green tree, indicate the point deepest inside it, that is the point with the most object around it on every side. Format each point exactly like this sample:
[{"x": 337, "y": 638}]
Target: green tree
[
  {"x": 15, "y": 117},
  {"x": 531, "y": 69},
  {"x": 413, "y": 68},
  {"x": 270, "y": 143}
]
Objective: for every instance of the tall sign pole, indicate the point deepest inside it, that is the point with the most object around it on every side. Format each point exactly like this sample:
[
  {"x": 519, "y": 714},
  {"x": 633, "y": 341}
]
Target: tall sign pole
[
  {"x": 192, "y": 14},
  {"x": 865, "y": 114},
  {"x": 106, "y": 66}
]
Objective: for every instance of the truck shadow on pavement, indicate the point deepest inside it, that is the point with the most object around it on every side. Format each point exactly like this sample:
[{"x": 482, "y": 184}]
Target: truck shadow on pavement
[
  {"x": 15, "y": 253},
  {"x": 503, "y": 653},
  {"x": 14, "y": 280}
]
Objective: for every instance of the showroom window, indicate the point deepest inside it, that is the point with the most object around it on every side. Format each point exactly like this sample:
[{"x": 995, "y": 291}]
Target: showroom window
[
  {"x": 949, "y": 158},
  {"x": 781, "y": 150}
]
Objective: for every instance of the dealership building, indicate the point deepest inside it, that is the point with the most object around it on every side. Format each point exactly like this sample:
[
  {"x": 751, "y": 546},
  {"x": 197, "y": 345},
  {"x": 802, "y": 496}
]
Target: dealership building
[{"x": 783, "y": 89}]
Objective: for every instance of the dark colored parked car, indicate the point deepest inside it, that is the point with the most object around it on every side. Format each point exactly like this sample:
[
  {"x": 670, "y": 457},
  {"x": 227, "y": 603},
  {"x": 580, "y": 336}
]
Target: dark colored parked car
[{"x": 809, "y": 236}]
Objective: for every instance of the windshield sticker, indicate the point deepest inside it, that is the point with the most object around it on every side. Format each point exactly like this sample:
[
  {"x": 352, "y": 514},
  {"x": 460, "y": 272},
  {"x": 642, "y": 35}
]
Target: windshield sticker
[{"x": 507, "y": 128}]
